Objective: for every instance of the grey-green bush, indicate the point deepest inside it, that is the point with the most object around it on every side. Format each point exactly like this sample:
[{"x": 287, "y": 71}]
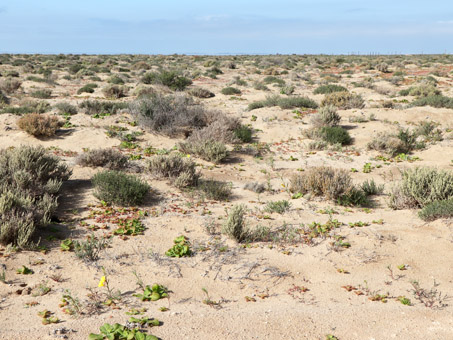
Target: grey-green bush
[{"x": 180, "y": 169}]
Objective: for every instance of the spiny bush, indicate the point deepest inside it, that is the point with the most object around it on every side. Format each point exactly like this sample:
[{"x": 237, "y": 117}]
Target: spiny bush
[
  {"x": 181, "y": 170},
  {"x": 115, "y": 91},
  {"x": 94, "y": 107},
  {"x": 234, "y": 225},
  {"x": 434, "y": 101},
  {"x": 42, "y": 94},
  {"x": 167, "y": 78},
  {"x": 343, "y": 100},
  {"x": 119, "y": 188},
  {"x": 64, "y": 108},
  {"x": 108, "y": 158},
  {"x": 421, "y": 186},
  {"x": 170, "y": 115},
  {"x": 39, "y": 125},
  {"x": 88, "y": 88},
  {"x": 230, "y": 91},
  {"x": 284, "y": 103},
  {"x": 326, "y": 116},
  {"x": 334, "y": 135},
  {"x": 30, "y": 180},
  {"x": 437, "y": 209},
  {"x": 209, "y": 150},
  {"x": 330, "y": 88},
  {"x": 222, "y": 128},
  {"x": 201, "y": 93},
  {"x": 382, "y": 67},
  {"x": 322, "y": 181},
  {"x": 215, "y": 190}
]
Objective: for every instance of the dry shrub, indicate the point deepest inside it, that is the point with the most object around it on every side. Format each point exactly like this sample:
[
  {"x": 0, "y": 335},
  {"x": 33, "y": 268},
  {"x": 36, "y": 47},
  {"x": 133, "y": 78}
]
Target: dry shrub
[
  {"x": 181, "y": 170},
  {"x": 208, "y": 149},
  {"x": 39, "y": 125},
  {"x": 108, "y": 158},
  {"x": 322, "y": 181},
  {"x": 343, "y": 100},
  {"x": 387, "y": 143},
  {"x": 201, "y": 93},
  {"x": 10, "y": 85},
  {"x": 326, "y": 116},
  {"x": 115, "y": 91}
]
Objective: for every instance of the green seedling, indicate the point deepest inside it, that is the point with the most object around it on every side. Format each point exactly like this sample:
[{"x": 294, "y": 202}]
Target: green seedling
[
  {"x": 358, "y": 224},
  {"x": 135, "y": 311},
  {"x": 379, "y": 297},
  {"x": 367, "y": 168},
  {"x": 354, "y": 170},
  {"x": 24, "y": 270},
  {"x": 144, "y": 321},
  {"x": 331, "y": 337},
  {"x": 208, "y": 300},
  {"x": 404, "y": 300},
  {"x": 130, "y": 227},
  {"x": 164, "y": 309},
  {"x": 117, "y": 331},
  {"x": 67, "y": 245},
  {"x": 154, "y": 293},
  {"x": 380, "y": 221},
  {"x": 181, "y": 248},
  {"x": 403, "y": 267},
  {"x": 297, "y": 195}
]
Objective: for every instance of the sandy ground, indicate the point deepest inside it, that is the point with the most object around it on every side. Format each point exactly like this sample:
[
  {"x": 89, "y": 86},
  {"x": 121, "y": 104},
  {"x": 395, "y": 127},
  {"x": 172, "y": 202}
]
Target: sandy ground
[{"x": 271, "y": 290}]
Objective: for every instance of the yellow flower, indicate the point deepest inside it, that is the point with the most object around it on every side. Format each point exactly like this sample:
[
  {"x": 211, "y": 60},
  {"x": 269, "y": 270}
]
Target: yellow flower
[
  {"x": 101, "y": 282},
  {"x": 188, "y": 156}
]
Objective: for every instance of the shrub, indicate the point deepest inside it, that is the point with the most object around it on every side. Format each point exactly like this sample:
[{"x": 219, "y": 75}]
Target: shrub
[
  {"x": 215, "y": 190},
  {"x": 169, "y": 115},
  {"x": 369, "y": 187},
  {"x": 421, "y": 186},
  {"x": 387, "y": 143},
  {"x": 243, "y": 133},
  {"x": 181, "y": 170},
  {"x": 117, "y": 80},
  {"x": 255, "y": 187},
  {"x": 277, "y": 206},
  {"x": 10, "y": 85},
  {"x": 94, "y": 107},
  {"x": 353, "y": 197},
  {"x": 209, "y": 150},
  {"x": 274, "y": 80},
  {"x": 201, "y": 93},
  {"x": 230, "y": 91},
  {"x": 326, "y": 116},
  {"x": 330, "y": 88},
  {"x": 434, "y": 101},
  {"x": 234, "y": 225},
  {"x": 65, "y": 108},
  {"x": 28, "y": 107},
  {"x": 335, "y": 135},
  {"x": 30, "y": 180},
  {"x": 39, "y": 125},
  {"x": 322, "y": 181},
  {"x": 288, "y": 90},
  {"x": 3, "y": 99},
  {"x": 108, "y": 158},
  {"x": 42, "y": 94},
  {"x": 382, "y": 67},
  {"x": 88, "y": 88},
  {"x": 115, "y": 91},
  {"x": 283, "y": 103},
  {"x": 343, "y": 100},
  {"x": 119, "y": 188},
  {"x": 437, "y": 209},
  {"x": 167, "y": 78},
  {"x": 423, "y": 90}
]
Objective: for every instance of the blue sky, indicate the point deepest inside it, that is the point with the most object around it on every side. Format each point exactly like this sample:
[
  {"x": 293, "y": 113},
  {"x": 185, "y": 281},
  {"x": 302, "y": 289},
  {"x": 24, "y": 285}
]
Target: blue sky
[{"x": 217, "y": 27}]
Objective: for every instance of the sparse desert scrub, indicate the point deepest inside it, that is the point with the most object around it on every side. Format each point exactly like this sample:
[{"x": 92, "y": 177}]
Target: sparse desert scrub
[
  {"x": 171, "y": 79},
  {"x": 283, "y": 103},
  {"x": 215, "y": 190},
  {"x": 421, "y": 186},
  {"x": 434, "y": 101},
  {"x": 229, "y": 91},
  {"x": 422, "y": 90},
  {"x": 207, "y": 149},
  {"x": 235, "y": 226},
  {"x": 343, "y": 100},
  {"x": 119, "y": 188},
  {"x": 3, "y": 99},
  {"x": 108, "y": 158},
  {"x": 64, "y": 108},
  {"x": 330, "y": 88},
  {"x": 39, "y": 125},
  {"x": 10, "y": 85},
  {"x": 88, "y": 88},
  {"x": 180, "y": 169},
  {"x": 42, "y": 94},
  {"x": 30, "y": 180},
  {"x": 201, "y": 93},
  {"x": 115, "y": 91},
  {"x": 96, "y": 107},
  {"x": 437, "y": 209}
]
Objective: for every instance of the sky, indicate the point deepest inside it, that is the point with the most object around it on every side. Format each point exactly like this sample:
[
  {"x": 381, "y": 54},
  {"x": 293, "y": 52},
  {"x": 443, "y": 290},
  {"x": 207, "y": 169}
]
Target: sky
[{"x": 226, "y": 27}]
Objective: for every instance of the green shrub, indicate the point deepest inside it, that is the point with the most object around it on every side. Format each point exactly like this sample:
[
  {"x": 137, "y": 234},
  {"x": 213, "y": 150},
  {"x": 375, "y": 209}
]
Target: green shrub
[
  {"x": 88, "y": 88},
  {"x": 421, "y": 186},
  {"x": 181, "y": 170},
  {"x": 343, "y": 100},
  {"x": 387, "y": 143},
  {"x": 108, "y": 158},
  {"x": 215, "y": 190},
  {"x": 437, "y": 209},
  {"x": 243, "y": 133},
  {"x": 117, "y": 80},
  {"x": 284, "y": 103},
  {"x": 234, "y": 225},
  {"x": 423, "y": 90},
  {"x": 434, "y": 101},
  {"x": 274, "y": 80},
  {"x": 42, "y": 94},
  {"x": 201, "y": 93},
  {"x": 95, "y": 107},
  {"x": 330, "y": 88},
  {"x": 29, "y": 107},
  {"x": 230, "y": 91},
  {"x": 119, "y": 188},
  {"x": 167, "y": 78},
  {"x": 39, "y": 125},
  {"x": 115, "y": 91},
  {"x": 335, "y": 135},
  {"x": 277, "y": 206},
  {"x": 288, "y": 90},
  {"x": 30, "y": 180},
  {"x": 322, "y": 181},
  {"x": 209, "y": 150},
  {"x": 65, "y": 108},
  {"x": 369, "y": 187},
  {"x": 353, "y": 197},
  {"x": 10, "y": 85},
  {"x": 3, "y": 99}
]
